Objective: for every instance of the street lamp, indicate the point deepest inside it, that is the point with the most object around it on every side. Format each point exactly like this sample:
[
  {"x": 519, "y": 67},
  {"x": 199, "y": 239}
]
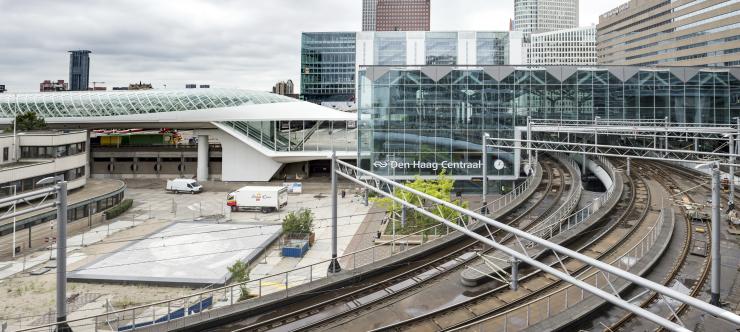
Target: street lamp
[
  {"x": 715, "y": 230},
  {"x": 14, "y": 186}
]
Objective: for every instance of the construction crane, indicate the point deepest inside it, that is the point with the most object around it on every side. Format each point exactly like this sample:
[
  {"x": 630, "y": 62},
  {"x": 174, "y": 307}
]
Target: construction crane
[{"x": 96, "y": 83}]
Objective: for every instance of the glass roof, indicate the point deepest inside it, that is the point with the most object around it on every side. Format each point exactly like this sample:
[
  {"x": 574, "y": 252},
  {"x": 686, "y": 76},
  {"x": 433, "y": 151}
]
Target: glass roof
[{"x": 98, "y": 103}]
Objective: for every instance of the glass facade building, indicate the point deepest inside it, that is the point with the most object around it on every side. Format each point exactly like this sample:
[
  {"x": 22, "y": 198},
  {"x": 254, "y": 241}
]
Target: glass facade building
[
  {"x": 420, "y": 120},
  {"x": 328, "y": 66}
]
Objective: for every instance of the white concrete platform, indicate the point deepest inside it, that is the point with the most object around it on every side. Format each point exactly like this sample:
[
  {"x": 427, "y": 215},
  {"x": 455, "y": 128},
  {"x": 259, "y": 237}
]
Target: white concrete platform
[{"x": 183, "y": 253}]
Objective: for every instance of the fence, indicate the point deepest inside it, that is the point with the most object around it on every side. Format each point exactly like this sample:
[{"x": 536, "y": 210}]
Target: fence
[
  {"x": 560, "y": 300},
  {"x": 558, "y": 224}
]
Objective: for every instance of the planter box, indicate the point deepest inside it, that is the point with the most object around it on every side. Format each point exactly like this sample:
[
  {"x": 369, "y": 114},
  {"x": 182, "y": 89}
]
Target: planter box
[{"x": 295, "y": 249}]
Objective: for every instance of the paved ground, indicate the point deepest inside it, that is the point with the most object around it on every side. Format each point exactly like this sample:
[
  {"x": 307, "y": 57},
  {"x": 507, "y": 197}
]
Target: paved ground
[{"x": 30, "y": 296}]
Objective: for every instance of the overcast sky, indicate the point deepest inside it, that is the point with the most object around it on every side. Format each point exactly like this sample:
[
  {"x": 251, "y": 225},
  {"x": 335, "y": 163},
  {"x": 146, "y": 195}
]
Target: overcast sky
[{"x": 247, "y": 44}]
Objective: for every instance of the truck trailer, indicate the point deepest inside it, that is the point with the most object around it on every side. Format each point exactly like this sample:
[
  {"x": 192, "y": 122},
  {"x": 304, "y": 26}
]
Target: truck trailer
[{"x": 265, "y": 199}]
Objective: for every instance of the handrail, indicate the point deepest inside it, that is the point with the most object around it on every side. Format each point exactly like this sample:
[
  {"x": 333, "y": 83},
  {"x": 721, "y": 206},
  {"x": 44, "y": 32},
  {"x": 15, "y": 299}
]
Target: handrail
[
  {"x": 644, "y": 245},
  {"x": 548, "y": 229}
]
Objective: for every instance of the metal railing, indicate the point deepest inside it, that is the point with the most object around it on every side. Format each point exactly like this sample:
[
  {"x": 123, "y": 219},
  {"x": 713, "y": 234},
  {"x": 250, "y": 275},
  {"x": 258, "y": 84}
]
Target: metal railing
[
  {"x": 558, "y": 301},
  {"x": 508, "y": 198},
  {"x": 559, "y": 224}
]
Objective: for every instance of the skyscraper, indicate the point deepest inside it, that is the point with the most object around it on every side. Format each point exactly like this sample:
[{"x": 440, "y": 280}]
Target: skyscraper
[
  {"x": 535, "y": 16},
  {"x": 79, "y": 70},
  {"x": 675, "y": 33},
  {"x": 395, "y": 15},
  {"x": 368, "y": 14}
]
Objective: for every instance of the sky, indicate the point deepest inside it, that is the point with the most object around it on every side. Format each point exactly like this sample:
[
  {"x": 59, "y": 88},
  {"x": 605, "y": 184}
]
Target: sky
[{"x": 248, "y": 44}]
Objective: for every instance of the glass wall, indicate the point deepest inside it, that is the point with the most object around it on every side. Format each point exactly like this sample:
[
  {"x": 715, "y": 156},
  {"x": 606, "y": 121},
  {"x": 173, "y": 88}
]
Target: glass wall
[
  {"x": 441, "y": 48},
  {"x": 390, "y": 48},
  {"x": 328, "y": 66},
  {"x": 411, "y": 124},
  {"x": 492, "y": 48}
]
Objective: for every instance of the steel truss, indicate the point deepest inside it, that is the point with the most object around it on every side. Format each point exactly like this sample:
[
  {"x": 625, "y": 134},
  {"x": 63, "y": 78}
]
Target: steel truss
[{"x": 463, "y": 218}]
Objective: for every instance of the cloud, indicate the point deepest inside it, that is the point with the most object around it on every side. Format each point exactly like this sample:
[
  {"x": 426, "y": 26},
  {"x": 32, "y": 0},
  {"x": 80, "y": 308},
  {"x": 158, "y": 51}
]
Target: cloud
[{"x": 247, "y": 44}]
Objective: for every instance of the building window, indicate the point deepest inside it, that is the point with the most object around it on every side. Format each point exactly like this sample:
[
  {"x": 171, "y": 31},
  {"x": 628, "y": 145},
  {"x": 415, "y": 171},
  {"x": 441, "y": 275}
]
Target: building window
[{"x": 6, "y": 153}]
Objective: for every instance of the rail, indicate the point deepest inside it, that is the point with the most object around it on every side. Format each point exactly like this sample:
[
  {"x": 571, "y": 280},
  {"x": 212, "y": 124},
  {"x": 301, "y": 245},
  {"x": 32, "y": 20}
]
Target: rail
[
  {"x": 560, "y": 300},
  {"x": 513, "y": 195},
  {"x": 557, "y": 224}
]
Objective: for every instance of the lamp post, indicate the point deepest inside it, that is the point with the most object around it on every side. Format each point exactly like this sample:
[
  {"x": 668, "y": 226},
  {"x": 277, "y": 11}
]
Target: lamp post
[
  {"x": 14, "y": 210},
  {"x": 716, "y": 261},
  {"x": 484, "y": 156}
]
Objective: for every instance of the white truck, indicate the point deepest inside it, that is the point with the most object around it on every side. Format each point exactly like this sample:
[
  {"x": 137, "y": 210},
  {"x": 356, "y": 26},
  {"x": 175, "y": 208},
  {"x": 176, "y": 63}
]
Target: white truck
[
  {"x": 265, "y": 199},
  {"x": 184, "y": 186}
]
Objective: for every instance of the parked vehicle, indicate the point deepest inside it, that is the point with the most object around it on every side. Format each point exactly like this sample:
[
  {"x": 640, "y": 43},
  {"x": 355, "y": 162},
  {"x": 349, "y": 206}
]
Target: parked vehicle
[
  {"x": 184, "y": 186},
  {"x": 265, "y": 199}
]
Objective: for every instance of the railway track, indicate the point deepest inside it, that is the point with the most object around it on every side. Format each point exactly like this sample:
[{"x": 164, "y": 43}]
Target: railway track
[
  {"x": 685, "y": 267},
  {"x": 618, "y": 228},
  {"x": 402, "y": 279}
]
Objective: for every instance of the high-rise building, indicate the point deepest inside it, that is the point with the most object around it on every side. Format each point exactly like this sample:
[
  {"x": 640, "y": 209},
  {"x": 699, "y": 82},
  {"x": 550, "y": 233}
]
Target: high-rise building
[
  {"x": 327, "y": 66},
  {"x": 369, "y": 8},
  {"x": 49, "y": 86},
  {"x": 79, "y": 70},
  {"x": 395, "y": 15},
  {"x": 535, "y": 16},
  {"x": 283, "y": 88},
  {"x": 676, "y": 33},
  {"x": 563, "y": 47}
]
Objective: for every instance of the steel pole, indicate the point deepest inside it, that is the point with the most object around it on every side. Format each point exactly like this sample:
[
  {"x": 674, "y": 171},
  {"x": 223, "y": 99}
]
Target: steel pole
[
  {"x": 529, "y": 139},
  {"x": 484, "y": 172},
  {"x": 731, "y": 198},
  {"x": 715, "y": 236},
  {"x": 334, "y": 265},
  {"x": 15, "y": 188},
  {"x": 61, "y": 202}
]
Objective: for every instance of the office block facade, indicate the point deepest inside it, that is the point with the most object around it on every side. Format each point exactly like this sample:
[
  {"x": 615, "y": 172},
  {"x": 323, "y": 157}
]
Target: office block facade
[
  {"x": 79, "y": 70},
  {"x": 536, "y": 16},
  {"x": 328, "y": 66},
  {"x": 563, "y": 47},
  {"x": 395, "y": 15},
  {"x": 680, "y": 33}
]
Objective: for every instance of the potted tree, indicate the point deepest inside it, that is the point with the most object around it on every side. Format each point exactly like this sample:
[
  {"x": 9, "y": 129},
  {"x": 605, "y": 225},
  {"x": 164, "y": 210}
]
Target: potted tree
[{"x": 300, "y": 223}]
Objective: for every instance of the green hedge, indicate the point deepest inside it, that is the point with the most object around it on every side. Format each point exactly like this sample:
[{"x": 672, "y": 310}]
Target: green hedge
[{"x": 118, "y": 209}]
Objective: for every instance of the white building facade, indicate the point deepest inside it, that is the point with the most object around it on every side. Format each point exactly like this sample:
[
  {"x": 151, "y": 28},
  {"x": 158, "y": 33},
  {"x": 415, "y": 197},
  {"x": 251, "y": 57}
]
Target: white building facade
[
  {"x": 536, "y": 16},
  {"x": 563, "y": 47}
]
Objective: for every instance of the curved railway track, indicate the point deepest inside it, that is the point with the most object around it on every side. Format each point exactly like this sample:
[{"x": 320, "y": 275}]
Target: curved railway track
[
  {"x": 405, "y": 278},
  {"x": 681, "y": 268},
  {"x": 618, "y": 228}
]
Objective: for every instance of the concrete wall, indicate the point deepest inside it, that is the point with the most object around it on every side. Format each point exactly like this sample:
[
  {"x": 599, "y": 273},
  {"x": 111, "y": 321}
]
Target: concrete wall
[{"x": 239, "y": 161}]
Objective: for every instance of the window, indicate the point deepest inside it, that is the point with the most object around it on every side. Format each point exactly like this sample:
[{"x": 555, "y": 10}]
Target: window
[{"x": 6, "y": 153}]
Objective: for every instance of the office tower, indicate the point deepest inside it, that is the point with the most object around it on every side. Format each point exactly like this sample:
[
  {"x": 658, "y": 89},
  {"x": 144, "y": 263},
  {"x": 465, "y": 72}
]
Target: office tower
[
  {"x": 368, "y": 14},
  {"x": 535, "y": 16},
  {"x": 563, "y": 47},
  {"x": 327, "y": 66},
  {"x": 676, "y": 33},
  {"x": 395, "y": 15},
  {"x": 283, "y": 88},
  {"x": 79, "y": 70}
]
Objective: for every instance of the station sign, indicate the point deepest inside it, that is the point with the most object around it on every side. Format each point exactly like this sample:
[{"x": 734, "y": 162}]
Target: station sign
[{"x": 433, "y": 165}]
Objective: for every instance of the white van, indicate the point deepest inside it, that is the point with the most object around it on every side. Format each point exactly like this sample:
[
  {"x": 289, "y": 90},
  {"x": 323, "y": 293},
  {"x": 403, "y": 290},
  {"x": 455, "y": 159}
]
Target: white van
[{"x": 184, "y": 186}]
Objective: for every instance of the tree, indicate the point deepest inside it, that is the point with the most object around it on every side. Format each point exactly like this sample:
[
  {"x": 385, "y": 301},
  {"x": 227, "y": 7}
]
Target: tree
[
  {"x": 440, "y": 188},
  {"x": 239, "y": 274},
  {"x": 29, "y": 121},
  {"x": 299, "y": 222}
]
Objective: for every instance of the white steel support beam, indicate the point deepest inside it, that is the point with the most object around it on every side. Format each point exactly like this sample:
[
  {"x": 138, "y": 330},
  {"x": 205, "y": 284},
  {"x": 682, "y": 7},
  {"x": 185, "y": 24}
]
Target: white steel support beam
[{"x": 378, "y": 183}]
